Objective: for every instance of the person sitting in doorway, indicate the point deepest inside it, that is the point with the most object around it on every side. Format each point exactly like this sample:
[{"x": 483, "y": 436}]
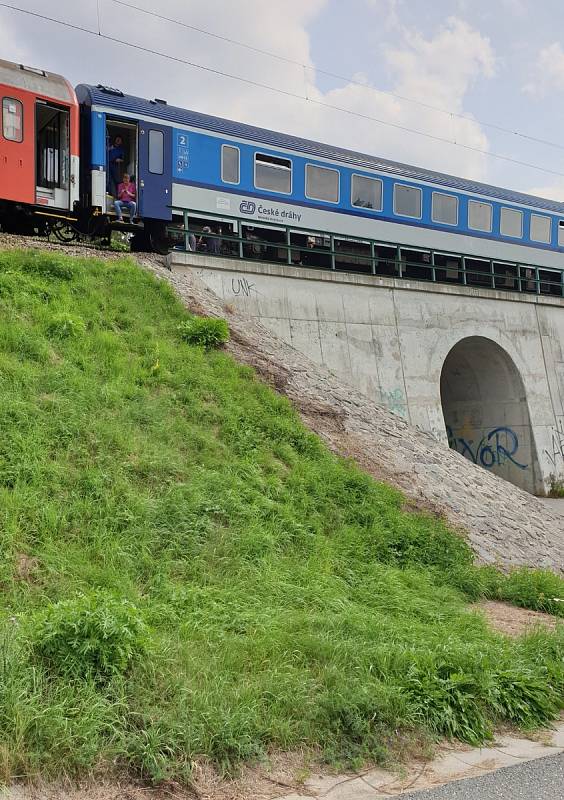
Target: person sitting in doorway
[{"x": 126, "y": 196}]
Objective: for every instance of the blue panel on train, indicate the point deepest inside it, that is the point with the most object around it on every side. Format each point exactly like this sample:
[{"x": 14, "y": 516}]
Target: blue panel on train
[{"x": 98, "y": 140}]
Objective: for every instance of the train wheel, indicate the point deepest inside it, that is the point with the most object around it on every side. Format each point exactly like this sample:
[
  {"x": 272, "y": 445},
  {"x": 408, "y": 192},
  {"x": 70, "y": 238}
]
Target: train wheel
[{"x": 64, "y": 232}]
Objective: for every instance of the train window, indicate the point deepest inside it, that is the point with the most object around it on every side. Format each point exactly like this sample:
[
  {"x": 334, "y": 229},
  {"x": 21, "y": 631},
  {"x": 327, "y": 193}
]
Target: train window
[
  {"x": 366, "y": 192},
  {"x": 229, "y": 164},
  {"x": 480, "y": 216},
  {"x": 273, "y": 174},
  {"x": 12, "y": 119},
  {"x": 407, "y": 201},
  {"x": 511, "y": 223},
  {"x": 444, "y": 208},
  {"x": 156, "y": 152},
  {"x": 540, "y": 229},
  {"x": 561, "y": 233},
  {"x": 322, "y": 183}
]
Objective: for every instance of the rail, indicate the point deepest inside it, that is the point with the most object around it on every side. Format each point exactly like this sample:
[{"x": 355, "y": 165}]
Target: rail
[{"x": 339, "y": 253}]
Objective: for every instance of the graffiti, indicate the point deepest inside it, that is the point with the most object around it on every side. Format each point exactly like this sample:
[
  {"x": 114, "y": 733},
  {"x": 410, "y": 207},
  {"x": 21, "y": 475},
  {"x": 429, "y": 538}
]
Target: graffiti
[
  {"x": 555, "y": 453},
  {"x": 395, "y": 401},
  {"x": 495, "y": 448},
  {"x": 242, "y": 286}
]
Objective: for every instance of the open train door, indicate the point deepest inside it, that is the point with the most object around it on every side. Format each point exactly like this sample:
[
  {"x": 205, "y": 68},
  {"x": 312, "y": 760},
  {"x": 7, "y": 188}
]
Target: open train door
[
  {"x": 52, "y": 154},
  {"x": 155, "y": 172}
]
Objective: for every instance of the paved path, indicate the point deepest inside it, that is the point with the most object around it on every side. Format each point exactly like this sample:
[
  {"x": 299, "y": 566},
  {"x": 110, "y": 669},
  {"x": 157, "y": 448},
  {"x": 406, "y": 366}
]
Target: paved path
[
  {"x": 542, "y": 779},
  {"x": 459, "y": 773}
]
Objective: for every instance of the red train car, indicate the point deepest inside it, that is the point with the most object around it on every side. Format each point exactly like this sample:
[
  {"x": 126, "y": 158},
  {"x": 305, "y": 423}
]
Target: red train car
[{"x": 39, "y": 143}]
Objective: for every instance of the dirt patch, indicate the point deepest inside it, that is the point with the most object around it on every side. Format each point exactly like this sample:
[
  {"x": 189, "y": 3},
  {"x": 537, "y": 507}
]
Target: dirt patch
[
  {"x": 26, "y": 568},
  {"x": 514, "y": 621},
  {"x": 284, "y": 774}
]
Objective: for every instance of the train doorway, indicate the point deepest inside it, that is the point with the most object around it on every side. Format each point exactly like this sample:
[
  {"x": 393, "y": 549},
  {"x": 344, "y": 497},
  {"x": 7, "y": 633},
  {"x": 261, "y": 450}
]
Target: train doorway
[
  {"x": 486, "y": 412},
  {"x": 121, "y": 150},
  {"x": 52, "y": 155}
]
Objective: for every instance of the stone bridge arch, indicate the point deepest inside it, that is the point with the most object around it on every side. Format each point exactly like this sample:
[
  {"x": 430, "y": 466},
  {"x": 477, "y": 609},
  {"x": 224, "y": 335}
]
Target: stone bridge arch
[{"x": 486, "y": 412}]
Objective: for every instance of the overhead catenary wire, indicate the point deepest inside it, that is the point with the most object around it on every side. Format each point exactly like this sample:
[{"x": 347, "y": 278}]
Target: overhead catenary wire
[
  {"x": 277, "y": 90},
  {"x": 347, "y": 79}
]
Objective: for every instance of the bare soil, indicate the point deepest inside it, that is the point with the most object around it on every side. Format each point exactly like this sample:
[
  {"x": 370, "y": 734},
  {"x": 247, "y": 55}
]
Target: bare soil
[{"x": 514, "y": 621}]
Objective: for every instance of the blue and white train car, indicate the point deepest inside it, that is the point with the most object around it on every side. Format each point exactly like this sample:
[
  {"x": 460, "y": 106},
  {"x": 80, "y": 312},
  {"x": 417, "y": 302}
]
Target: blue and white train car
[{"x": 208, "y": 165}]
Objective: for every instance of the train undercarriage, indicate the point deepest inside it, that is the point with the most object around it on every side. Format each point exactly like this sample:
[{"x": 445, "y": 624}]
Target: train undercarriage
[{"x": 85, "y": 224}]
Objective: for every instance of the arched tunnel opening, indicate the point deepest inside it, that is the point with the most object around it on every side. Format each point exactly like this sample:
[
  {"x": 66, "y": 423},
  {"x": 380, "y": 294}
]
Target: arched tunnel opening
[{"x": 486, "y": 412}]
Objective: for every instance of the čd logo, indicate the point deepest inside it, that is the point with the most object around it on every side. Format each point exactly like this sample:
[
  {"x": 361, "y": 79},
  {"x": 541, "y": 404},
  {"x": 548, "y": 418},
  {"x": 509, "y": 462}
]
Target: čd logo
[{"x": 247, "y": 207}]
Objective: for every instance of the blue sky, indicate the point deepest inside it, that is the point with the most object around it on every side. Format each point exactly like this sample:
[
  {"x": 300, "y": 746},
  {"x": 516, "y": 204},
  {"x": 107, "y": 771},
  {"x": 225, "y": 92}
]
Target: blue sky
[{"x": 497, "y": 61}]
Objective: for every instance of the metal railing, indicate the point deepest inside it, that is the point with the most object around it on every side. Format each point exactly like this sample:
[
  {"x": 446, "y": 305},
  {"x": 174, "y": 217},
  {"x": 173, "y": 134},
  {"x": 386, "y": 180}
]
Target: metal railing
[{"x": 328, "y": 251}]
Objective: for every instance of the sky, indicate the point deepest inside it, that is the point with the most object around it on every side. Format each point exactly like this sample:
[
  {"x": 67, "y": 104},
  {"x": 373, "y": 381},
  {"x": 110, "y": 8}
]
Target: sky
[{"x": 454, "y": 69}]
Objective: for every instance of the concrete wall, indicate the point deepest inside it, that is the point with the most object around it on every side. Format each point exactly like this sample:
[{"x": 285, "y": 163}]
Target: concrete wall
[{"x": 391, "y": 338}]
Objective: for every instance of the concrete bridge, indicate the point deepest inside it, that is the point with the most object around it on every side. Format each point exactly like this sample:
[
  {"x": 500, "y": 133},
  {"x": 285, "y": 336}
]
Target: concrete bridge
[{"x": 480, "y": 369}]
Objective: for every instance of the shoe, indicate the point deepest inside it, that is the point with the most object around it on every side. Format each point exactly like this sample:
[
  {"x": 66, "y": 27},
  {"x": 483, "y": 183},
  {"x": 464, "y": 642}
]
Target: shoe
[{"x": 120, "y": 219}]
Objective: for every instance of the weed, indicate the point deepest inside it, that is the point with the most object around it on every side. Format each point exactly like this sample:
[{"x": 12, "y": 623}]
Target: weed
[
  {"x": 94, "y": 635},
  {"x": 556, "y": 487},
  {"x": 206, "y": 332},
  {"x": 65, "y": 326}
]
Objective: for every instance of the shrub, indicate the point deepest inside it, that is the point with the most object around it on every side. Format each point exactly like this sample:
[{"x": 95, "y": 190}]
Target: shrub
[
  {"x": 94, "y": 635},
  {"x": 64, "y": 326},
  {"x": 204, "y": 332}
]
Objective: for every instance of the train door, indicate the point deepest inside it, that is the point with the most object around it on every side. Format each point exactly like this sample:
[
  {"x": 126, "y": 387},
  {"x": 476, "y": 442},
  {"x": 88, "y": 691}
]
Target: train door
[
  {"x": 52, "y": 155},
  {"x": 155, "y": 173},
  {"x": 16, "y": 147}
]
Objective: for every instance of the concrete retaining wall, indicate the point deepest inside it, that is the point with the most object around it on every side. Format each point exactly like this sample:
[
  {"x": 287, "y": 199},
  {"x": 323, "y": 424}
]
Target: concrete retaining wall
[{"x": 391, "y": 338}]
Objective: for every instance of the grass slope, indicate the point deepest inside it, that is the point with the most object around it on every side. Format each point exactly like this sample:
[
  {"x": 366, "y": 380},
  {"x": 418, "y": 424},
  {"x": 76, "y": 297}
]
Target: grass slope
[{"x": 186, "y": 571}]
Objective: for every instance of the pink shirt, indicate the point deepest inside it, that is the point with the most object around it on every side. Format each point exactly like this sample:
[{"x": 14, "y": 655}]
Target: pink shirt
[{"x": 126, "y": 192}]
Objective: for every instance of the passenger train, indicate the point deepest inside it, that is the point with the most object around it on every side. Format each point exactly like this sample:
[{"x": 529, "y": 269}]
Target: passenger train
[{"x": 255, "y": 185}]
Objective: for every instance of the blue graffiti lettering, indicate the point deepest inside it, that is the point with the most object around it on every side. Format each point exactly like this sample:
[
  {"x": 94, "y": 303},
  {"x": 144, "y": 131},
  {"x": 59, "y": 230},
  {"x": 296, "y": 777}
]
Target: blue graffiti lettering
[{"x": 494, "y": 449}]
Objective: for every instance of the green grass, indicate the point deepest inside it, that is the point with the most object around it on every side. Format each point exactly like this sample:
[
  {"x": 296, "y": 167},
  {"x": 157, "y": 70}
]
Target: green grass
[{"x": 187, "y": 572}]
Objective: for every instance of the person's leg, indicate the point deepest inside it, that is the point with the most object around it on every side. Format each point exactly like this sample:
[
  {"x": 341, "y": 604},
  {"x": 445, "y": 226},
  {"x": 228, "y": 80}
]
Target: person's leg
[
  {"x": 119, "y": 213},
  {"x": 132, "y": 209}
]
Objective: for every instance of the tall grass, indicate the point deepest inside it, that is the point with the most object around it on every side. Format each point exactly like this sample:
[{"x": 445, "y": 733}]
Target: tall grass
[{"x": 186, "y": 571}]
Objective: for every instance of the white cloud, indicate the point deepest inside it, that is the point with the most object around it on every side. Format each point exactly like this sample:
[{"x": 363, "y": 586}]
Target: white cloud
[
  {"x": 438, "y": 71},
  {"x": 548, "y": 71},
  {"x": 388, "y": 12}
]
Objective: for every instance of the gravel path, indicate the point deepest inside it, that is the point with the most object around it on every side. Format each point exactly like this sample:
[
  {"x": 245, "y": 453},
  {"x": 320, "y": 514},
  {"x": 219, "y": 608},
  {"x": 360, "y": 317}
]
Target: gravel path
[{"x": 542, "y": 779}]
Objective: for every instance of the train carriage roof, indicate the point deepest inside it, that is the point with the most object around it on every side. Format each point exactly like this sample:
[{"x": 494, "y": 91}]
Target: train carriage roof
[
  {"x": 113, "y": 98},
  {"x": 46, "y": 84}
]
